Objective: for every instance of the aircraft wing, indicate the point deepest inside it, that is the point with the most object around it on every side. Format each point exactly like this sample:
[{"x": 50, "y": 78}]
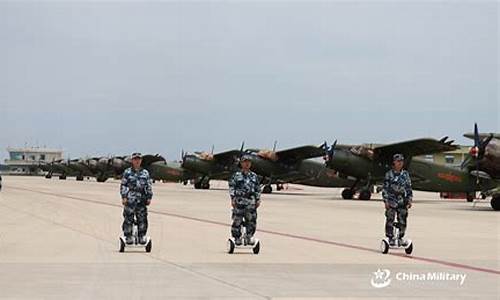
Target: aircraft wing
[
  {"x": 227, "y": 156},
  {"x": 424, "y": 146},
  {"x": 482, "y": 135},
  {"x": 300, "y": 153},
  {"x": 148, "y": 159}
]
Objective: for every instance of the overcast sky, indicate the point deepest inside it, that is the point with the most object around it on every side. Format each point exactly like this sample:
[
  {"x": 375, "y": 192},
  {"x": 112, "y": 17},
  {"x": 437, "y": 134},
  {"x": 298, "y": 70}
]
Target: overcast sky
[{"x": 111, "y": 78}]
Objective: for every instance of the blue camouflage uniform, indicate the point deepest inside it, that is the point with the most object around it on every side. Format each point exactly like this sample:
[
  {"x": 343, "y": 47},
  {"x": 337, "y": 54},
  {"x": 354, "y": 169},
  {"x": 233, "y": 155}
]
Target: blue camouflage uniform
[
  {"x": 244, "y": 189},
  {"x": 397, "y": 194},
  {"x": 136, "y": 187}
]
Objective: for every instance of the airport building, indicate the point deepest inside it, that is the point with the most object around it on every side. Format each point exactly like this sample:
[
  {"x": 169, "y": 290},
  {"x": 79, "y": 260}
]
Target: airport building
[{"x": 24, "y": 161}]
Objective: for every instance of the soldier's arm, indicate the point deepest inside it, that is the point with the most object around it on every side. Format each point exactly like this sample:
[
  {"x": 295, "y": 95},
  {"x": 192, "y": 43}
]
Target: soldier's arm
[
  {"x": 149, "y": 188},
  {"x": 385, "y": 187},
  {"x": 232, "y": 186},
  {"x": 232, "y": 190},
  {"x": 257, "y": 190},
  {"x": 408, "y": 189},
  {"x": 124, "y": 187},
  {"x": 385, "y": 190}
]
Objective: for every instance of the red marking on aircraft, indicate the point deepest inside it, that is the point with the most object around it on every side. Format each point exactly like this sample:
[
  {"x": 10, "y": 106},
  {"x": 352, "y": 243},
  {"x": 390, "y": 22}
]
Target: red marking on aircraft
[
  {"x": 174, "y": 172},
  {"x": 449, "y": 177},
  {"x": 331, "y": 173}
]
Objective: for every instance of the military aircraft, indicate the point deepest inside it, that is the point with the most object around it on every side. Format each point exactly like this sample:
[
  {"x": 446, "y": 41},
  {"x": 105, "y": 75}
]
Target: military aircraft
[
  {"x": 59, "y": 167},
  {"x": 295, "y": 165},
  {"x": 483, "y": 162},
  {"x": 172, "y": 171},
  {"x": 100, "y": 167},
  {"x": 485, "y": 154},
  {"x": 368, "y": 164},
  {"x": 80, "y": 168},
  {"x": 208, "y": 166},
  {"x": 108, "y": 167}
]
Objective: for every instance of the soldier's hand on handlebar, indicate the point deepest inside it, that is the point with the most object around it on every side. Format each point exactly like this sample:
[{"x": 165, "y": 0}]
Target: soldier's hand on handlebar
[
  {"x": 233, "y": 203},
  {"x": 148, "y": 202},
  {"x": 408, "y": 205},
  {"x": 386, "y": 205},
  {"x": 257, "y": 204}
]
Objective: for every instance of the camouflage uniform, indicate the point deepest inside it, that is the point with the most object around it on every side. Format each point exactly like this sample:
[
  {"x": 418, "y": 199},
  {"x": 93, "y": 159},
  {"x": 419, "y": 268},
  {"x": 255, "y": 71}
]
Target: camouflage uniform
[
  {"x": 136, "y": 187},
  {"x": 397, "y": 193},
  {"x": 244, "y": 189}
]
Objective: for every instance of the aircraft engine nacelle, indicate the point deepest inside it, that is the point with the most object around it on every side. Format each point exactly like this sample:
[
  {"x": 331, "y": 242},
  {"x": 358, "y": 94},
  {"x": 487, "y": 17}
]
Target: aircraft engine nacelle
[
  {"x": 198, "y": 165},
  {"x": 351, "y": 164},
  {"x": 265, "y": 167}
]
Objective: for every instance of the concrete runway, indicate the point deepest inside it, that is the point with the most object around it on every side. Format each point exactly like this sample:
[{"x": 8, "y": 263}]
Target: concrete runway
[{"x": 59, "y": 240}]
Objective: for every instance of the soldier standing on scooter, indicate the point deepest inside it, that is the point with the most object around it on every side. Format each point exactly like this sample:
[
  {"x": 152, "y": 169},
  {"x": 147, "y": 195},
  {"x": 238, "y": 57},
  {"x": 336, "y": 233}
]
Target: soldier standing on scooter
[
  {"x": 136, "y": 191},
  {"x": 244, "y": 190},
  {"x": 397, "y": 194}
]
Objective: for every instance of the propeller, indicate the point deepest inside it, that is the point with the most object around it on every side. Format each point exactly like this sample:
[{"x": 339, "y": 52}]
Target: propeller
[
  {"x": 478, "y": 150},
  {"x": 330, "y": 152},
  {"x": 184, "y": 154},
  {"x": 324, "y": 146},
  {"x": 241, "y": 149},
  {"x": 274, "y": 146},
  {"x": 480, "y": 145}
]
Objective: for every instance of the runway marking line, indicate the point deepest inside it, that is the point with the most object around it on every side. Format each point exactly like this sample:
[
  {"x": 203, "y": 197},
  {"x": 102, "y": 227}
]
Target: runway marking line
[{"x": 289, "y": 235}]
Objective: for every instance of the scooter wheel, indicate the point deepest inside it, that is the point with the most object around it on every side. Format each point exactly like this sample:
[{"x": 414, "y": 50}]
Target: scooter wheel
[
  {"x": 149, "y": 246},
  {"x": 409, "y": 249},
  {"x": 256, "y": 248},
  {"x": 122, "y": 245},
  {"x": 230, "y": 246},
  {"x": 384, "y": 247}
]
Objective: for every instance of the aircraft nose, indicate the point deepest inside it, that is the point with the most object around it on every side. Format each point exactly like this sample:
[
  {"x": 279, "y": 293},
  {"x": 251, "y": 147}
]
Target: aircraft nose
[
  {"x": 117, "y": 163},
  {"x": 338, "y": 159}
]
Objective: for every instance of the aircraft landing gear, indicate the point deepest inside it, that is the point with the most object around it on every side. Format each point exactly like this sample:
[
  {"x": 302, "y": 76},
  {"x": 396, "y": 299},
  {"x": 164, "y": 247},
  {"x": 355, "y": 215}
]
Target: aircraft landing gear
[
  {"x": 365, "y": 195},
  {"x": 48, "y": 176},
  {"x": 470, "y": 197},
  {"x": 101, "y": 179},
  {"x": 268, "y": 189},
  {"x": 202, "y": 185},
  {"x": 62, "y": 177},
  {"x": 79, "y": 178},
  {"x": 279, "y": 187},
  {"x": 495, "y": 202},
  {"x": 347, "y": 194}
]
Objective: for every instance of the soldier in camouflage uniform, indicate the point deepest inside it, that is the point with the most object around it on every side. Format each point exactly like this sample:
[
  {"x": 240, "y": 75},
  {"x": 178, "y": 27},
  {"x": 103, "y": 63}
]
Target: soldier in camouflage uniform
[
  {"x": 136, "y": 192},
  {"x": 244, "y": 189},
  {"x": 397, "y": 194}
]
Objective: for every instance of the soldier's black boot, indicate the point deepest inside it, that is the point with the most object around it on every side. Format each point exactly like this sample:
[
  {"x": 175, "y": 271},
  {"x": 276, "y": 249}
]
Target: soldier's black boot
[
  {"x": 238, "y": 241},
  {"x": 129, "y": 240},
  {"x": 142, "y": 240},
  {"x": 249, "y": 240}
]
